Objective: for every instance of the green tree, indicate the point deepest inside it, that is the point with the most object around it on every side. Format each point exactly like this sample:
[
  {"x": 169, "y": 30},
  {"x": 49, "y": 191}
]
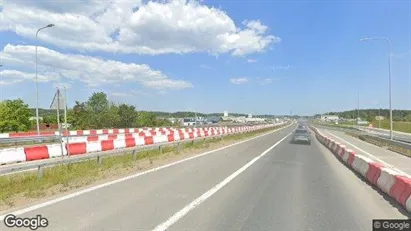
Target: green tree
[
  {"x": 14, "y": 116},
  {"x": 98, "y": 108},
  {"x": 79, "y": 116},
  {"x": 110, "y": 117},
  {"x": 128, "y": 115},
  {"x": 146, "y": 119}
]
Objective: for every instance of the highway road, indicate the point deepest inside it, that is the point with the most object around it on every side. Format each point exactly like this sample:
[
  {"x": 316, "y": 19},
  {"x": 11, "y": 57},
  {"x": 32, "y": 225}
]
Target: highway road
[{"x": 263, "y": 184}]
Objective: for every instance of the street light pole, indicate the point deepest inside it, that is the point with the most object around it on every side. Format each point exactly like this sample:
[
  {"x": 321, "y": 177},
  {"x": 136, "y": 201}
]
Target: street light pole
[
  {"x": 1, "y": 78},
  {"x": 389, "y": 77},
  {"x": 37, "y": 86}
]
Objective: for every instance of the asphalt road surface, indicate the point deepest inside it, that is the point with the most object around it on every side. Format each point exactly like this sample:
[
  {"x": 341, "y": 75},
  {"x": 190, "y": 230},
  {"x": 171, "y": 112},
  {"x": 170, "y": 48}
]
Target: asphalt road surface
[{"x": 291, "y": 187}]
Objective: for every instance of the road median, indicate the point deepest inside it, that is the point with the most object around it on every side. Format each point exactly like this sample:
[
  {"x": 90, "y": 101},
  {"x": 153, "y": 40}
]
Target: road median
[{"x": 25, "y": 188}]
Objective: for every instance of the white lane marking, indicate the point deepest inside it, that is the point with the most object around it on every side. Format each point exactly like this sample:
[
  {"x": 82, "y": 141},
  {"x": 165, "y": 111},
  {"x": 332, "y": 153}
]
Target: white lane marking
[
  {"x": 87, "y": 190},
  {"x": 180, "y": 214},
  {"x": 370, "y": 155}
]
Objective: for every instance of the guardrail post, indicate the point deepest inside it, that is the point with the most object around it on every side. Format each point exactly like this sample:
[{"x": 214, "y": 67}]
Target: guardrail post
[
  {"x": 204, "y": 142},
  {"x": 39, "y": 172},
  {"x": 135, "y": 154},
  {"x": 160, "y": 149},
  {"x": 99, "y": 160},
  {"x": 178, "y": 147}
]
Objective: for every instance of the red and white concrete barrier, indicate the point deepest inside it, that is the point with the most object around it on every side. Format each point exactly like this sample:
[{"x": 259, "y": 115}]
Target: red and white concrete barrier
[
  {"x": 85, "y": 144},
  {"x": 385, "y": 178}
]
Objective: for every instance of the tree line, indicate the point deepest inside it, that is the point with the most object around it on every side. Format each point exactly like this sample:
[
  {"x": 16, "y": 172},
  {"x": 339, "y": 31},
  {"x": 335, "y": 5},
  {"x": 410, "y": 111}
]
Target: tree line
[
  {"x": 370, "y": 114},
  {"x": 97, "y": 112}
]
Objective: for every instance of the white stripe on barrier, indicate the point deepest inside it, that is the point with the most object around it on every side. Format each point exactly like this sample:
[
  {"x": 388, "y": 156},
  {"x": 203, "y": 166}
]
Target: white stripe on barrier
[
  {"x": 386, "y": 179},
  {"x": 12, "y": 155},
  {"x": 93, "y": 146},
  {"x": 55, "y": 150}
]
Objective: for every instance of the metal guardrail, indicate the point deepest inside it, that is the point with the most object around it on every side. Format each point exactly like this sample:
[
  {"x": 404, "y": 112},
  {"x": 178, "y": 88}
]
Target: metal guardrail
[
  {"x": 38, "y": 139},
  {"x": 41, "y": 164}
]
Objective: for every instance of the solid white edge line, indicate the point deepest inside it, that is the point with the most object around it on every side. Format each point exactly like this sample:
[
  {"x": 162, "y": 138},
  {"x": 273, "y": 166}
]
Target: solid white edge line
[
  {"x": 370, "y": 155},
  {"x": 93, "y": 188},
  {"x": 180, "y": 214}
]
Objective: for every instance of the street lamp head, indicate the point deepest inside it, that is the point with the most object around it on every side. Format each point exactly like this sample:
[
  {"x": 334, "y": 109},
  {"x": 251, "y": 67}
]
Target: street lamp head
[{"x": 50, "y": 25}]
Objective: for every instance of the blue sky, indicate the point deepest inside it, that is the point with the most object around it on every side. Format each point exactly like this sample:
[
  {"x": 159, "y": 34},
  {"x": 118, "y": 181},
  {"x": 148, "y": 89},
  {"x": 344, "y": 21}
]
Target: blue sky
[{"x": 255, "y": 57}]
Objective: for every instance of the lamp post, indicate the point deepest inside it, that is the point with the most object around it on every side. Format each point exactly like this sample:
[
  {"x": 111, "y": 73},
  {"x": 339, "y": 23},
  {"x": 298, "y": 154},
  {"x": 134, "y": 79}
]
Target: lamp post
[
  {"x": 1, "y": 75},
  {"x": 37, "y": 87},
  {"x": 389, "y": 75}
]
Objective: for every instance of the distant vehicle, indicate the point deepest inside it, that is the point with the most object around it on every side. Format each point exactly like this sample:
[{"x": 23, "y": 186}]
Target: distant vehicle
[{"x": 301, "y": 135}]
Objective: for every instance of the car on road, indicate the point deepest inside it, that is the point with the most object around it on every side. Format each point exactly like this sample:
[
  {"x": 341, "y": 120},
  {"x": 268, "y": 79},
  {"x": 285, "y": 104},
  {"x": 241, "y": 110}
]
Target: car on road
[{"x": 301, "y": 135}]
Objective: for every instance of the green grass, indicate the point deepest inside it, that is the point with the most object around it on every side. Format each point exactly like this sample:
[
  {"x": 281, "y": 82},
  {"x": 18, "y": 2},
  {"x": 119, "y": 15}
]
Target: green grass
[
  {"x": 400, "y": 126},
  {"x": 84, "y": 173}
]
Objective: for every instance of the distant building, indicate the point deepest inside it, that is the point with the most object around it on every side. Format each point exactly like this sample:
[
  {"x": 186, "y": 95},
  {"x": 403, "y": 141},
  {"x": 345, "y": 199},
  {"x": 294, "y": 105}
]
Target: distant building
[
  {"x": 329, "y": 118},
  {"x": 225, "y": 113}
]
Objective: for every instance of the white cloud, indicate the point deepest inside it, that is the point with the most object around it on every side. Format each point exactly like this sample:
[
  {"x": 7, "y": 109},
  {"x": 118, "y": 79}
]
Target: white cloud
[
  {"x": 55, "y": 66},
  {"x": 239, "y": 80},
  {"x": 206, "y": 67},
  {"x": 176, "y": 26},
  {"x": 120, "y": 94},
  {"x": 266, "y": 81},
  {"x": 251, "y": 60},
  {"x": 286, "y": 68}
]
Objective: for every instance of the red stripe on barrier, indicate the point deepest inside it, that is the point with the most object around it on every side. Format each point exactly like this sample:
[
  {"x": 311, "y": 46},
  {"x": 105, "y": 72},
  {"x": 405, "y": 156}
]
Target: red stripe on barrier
[
  {"x": 406, "y": 193},
  {"x": 374, "y": 172},
  {"x": 181, "y": 135},
  {"x": 130, "y": 142},
  {"x": 397, "y": 189},
  {"x": 148, "y": 140},
  {"x": 92, "y": 138},
  {"x": 93, "y": 132},
  {"x": 36, "y": 153},
  {"x": 170, "y": 138},
  {"x": 191, "y": 135},
  {"x": 77, "y": 148},
  {"x": 107, "y": 145},
  {"x": 105, "y": 131},
  {"x": 351, "y": 158},
  {"x": 115, "y": 131},
  {"x": 126, "y": 130},
  {"x": 112, "y": 137},
  {"x": 80, "y": 132}
]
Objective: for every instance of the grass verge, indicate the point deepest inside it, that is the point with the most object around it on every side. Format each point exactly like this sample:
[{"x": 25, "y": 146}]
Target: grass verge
[
  {"x": 400, "y": 126},
  {"x": 22, "y": 188}
]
